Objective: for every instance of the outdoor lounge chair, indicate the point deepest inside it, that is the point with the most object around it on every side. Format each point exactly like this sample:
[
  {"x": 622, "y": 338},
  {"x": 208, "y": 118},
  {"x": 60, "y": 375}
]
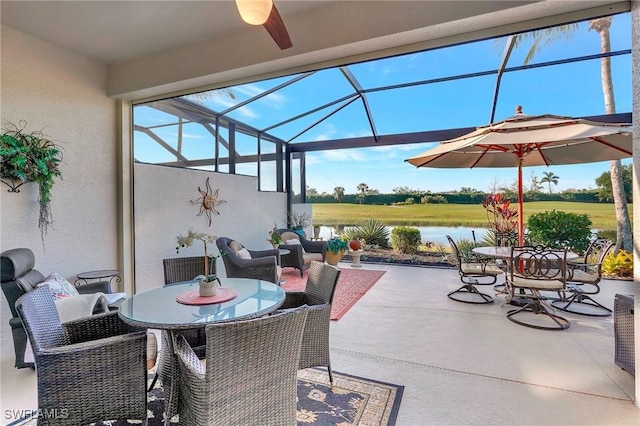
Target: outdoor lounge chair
[
  {"x": 583, "y": 276},
  {"x": 318, "y": 295},
  {"x": 20, "y": 277},
  {"x": 257, "y": 388},
  {"x": 473, "y": 270},
  {"x": 88, "y": 370},
  {"x": 301, "y": 250},
  {"x": 260, "y": 264}
]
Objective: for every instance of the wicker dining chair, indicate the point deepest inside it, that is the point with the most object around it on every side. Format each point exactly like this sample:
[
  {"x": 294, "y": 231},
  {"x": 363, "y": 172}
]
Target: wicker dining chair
[
  {"x": 177, "y": 269},
  {"x": 89, "y": 369},
  {"x": 250, "y": 374},
  {"x": 318, "y": 295}
]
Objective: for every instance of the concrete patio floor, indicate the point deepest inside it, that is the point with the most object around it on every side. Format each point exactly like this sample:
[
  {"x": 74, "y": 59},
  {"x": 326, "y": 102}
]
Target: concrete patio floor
[{"x": 461, "y": 364}]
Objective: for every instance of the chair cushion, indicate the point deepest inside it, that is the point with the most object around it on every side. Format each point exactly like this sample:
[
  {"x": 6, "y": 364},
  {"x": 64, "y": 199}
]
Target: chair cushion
[
  {"x": 288, "y": 235},
  {"x": 243, "y": 254},
  {"x": 59, "y": 286},
  {"x": 308, "y": 257},
  {"x": 294, "y": 242},
  {"x": 583, "y": 277},
  {"x": 477, "y": 268},
  {"x": 537, "y": 284}
]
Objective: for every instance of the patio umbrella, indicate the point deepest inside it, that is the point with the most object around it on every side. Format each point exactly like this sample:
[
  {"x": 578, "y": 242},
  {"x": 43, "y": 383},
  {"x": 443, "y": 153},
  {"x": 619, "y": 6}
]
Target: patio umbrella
[{"x": 531, "y": 140}]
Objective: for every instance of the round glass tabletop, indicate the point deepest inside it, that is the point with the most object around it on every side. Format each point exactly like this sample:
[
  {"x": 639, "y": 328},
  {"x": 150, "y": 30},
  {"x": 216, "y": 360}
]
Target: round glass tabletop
[{"x": 158, "y": 308}]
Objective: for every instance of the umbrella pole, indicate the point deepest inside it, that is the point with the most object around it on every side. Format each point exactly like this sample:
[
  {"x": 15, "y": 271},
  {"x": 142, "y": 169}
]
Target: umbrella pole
[{"x": 520, "y": 205}]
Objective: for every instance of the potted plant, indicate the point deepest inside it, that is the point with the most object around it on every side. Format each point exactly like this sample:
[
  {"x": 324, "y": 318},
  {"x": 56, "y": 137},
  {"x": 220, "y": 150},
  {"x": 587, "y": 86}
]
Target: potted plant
[
  {"x": 336, "y": 247},
  {"x": 30, "y": 157},
  {"x": 298, "y": 221},
  {"x": 207, "y": 286},
  {"x": 274, "y": 237}
]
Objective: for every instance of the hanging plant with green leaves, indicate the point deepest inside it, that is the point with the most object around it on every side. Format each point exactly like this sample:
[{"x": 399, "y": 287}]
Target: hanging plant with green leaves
[{"x": 30, "y": 157}]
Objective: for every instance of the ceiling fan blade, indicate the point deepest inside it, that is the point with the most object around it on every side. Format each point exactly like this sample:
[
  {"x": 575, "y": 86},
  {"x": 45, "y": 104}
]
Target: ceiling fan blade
[{"x": 276, "y": 29}]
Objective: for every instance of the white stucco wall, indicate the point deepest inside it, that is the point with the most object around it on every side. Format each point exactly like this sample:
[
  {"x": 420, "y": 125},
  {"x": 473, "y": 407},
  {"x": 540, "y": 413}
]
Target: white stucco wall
[
  {"x": 64, "y": 94},
  {"x": 163, "y": 211}
]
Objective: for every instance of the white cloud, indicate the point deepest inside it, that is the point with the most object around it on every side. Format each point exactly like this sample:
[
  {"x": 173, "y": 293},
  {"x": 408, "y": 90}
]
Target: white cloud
[{"x": 344, "y": 155}]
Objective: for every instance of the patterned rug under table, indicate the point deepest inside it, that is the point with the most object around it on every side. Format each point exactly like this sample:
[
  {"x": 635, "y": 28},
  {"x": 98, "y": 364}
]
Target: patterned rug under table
[{"x": 351, "y": 401}]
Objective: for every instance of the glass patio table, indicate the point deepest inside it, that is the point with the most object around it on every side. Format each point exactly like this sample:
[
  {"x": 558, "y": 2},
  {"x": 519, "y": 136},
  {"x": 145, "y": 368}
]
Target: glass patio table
[{"x": 158, "y": 308}]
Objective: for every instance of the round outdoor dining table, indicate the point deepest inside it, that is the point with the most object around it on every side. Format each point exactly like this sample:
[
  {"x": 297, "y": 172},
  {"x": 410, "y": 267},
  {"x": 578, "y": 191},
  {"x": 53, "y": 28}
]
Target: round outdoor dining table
[
  {"x": 158, "y": 308},
  {"x": 505, "y": 252}
]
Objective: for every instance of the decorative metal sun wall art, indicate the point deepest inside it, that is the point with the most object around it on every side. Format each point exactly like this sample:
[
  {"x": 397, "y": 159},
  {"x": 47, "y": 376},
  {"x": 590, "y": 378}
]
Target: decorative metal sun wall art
[{"x": 208, "y": 201}]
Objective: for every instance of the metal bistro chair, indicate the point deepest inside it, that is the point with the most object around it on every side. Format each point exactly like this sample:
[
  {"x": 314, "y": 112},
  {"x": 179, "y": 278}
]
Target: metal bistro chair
[
  {"x": 534, "y": 270},
  {"x": 583, "y": 276},
  {"x": 318, "y": 295},
  {"x": 474, "y": 270},
  {"x": 250, "y": 373}
]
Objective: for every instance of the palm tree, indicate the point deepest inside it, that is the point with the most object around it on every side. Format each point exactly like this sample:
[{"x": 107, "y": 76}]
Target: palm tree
[
  {"x": 363, "y": 188},
  {"x": 549, "y": 178},
  {"x": 601, "y": 26},
  {"x": 338, "y": 193}
]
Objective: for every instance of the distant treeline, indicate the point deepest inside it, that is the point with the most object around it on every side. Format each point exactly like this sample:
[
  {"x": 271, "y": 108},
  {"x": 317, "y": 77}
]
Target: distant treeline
[{"x": 450, "y": 198}]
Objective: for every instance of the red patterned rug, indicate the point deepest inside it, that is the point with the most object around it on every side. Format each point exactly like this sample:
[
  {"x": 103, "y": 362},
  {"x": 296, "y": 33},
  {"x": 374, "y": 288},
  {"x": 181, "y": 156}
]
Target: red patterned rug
[{"x": 352, "y": 285}]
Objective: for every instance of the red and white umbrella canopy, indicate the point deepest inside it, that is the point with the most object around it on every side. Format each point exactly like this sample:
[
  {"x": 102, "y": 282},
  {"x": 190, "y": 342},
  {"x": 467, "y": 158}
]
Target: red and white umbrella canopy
[{"x": 531, "y": 140}]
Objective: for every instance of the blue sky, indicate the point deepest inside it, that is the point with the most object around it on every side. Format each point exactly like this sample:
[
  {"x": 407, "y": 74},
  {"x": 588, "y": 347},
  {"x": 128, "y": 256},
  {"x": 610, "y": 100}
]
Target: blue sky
[{"x": 572, "y": 89}]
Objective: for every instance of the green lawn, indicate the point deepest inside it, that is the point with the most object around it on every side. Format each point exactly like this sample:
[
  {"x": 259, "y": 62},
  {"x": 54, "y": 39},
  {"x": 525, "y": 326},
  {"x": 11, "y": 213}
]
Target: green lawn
[{"x": 472, "y": 215}]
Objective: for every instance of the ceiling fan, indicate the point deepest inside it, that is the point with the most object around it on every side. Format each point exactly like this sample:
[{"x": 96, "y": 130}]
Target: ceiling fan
[{"x": 264, "y": 12}]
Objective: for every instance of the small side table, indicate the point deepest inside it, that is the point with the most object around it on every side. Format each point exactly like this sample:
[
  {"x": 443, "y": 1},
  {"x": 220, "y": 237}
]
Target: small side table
[
  {"x": 355, "y": 257},
  {"x": 101, "y": 275},
  {"x": 281, "y": 252}
]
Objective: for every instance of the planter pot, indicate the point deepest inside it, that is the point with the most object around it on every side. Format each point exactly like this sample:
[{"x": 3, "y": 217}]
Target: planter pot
[
  {"x": 333, "y": 258},
  {"x": 207, "y": 289},
  {"x": 300, "y": 231}
]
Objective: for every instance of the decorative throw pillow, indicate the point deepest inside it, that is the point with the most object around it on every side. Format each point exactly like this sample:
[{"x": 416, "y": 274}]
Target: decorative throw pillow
[
  {"x": 235, "y": 246},
  {"x": 59, "y": 286},
  {"x": 244, "y": 254},
  {"x": 294, "y": 242}
]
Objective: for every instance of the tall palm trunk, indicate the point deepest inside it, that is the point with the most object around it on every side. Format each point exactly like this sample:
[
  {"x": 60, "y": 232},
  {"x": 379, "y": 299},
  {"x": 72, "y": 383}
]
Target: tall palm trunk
[{"x": 623, "y": 231}]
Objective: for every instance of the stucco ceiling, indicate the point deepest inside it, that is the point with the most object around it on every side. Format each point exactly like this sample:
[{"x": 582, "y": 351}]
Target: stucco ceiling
[
  {"x": 155, "y": 47},
  {"x": 116, "y": 31}
]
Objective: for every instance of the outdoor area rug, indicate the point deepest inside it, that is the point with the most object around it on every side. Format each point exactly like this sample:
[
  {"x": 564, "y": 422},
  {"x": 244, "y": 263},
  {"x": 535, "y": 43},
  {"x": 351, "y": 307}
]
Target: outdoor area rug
[
  {"x": 352, "y": 285},
  {"x": 352, "y": 401}
]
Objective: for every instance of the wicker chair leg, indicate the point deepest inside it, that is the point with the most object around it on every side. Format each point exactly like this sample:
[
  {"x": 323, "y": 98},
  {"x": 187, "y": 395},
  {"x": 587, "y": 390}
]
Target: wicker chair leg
[{"x": 330, "y": 374}]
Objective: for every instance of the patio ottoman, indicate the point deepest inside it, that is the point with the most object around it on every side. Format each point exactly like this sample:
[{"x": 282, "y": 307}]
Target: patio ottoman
[{"x": 623, "y": 331}]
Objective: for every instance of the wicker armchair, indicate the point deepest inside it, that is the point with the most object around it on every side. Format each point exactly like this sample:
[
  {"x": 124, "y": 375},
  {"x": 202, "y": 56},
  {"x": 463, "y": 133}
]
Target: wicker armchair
[
  {"x": 257, "y": 388},
  {"x": 263, "y": 264},
  {"x": 177, "y": 269},
  {"x": 19, "y": 276},
  {"x": 318, "y": 295},
  {"x": 89, "y": 369},
  {"x": 300, "y": 255}
]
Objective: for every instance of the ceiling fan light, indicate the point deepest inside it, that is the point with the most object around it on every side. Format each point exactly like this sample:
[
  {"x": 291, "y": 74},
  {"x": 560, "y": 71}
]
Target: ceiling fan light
[{"x": 254, "y": 12}]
